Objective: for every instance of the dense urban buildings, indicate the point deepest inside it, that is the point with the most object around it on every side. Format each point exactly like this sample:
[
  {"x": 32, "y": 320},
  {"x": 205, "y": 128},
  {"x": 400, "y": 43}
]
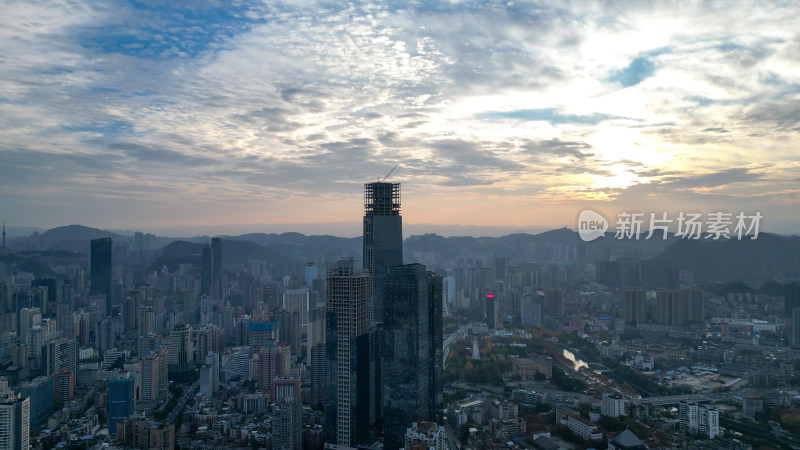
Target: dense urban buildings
[{"x": 524, "y": 340}]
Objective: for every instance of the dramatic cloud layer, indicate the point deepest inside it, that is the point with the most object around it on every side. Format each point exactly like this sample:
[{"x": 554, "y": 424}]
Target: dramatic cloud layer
[{"x": 517, "y": 113}]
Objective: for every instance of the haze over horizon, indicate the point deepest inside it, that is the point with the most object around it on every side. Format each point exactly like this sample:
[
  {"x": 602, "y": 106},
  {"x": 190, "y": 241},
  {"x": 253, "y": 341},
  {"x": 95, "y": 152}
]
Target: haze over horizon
[
  {"x": 339, "y": 229},
  {"x": 129, "y": 115}
]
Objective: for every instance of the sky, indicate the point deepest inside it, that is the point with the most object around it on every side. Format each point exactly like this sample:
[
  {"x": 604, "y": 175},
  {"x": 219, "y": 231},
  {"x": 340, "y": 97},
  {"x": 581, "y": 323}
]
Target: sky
[{"x": 154, "y": 114}]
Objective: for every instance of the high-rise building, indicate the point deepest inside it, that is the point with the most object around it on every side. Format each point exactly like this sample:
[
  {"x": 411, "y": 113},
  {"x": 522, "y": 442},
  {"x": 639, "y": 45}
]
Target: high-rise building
[
  {"x": 181, "y": 349},
  {"x": 613, "y": 405},
  {"x": 28, "y": 318},
  {"x": 411, "y": 361},
  {"x": 15, "y": 420},
  {"x": 63, "y": 387},
  {"x": 287, "y": 431},
  {"x": 283, "y": 387},
  {"x": 679, "y": 307},
  {"x": 531, "y": 310},
  {"x": 688, "y": 416},
  {"x": 701, "y": 419},
  {"x": 491, "y": 311},
  {"x": 101, "y": 269},
  {"x": 216, "y": 267},
  {"x": 694, "y": 302},
  {"x": 208, "y": 338},
  {"x": 554, "y": 302},
  {"x": 61, "y": 354},
  {"x": 206, "y": 382},
  {"x": 289, "y": 329},
  {"x": 147, "y": 342},
  {"x": 313, "y": 437},
  {"x": 310, "y": 274},
  {"x": 146, "y": 320},
  {"x": 319, "y": 290},
  {"x": 260, "y": 334},
  {"x": 47, "y": 297},
  {"x": 318, "y": 362},
  {"x": 269, "y": 362},
  {"x": 436, "y": 361},
  {"x": 634, "y": 306},
  {"x": 206, "y": 270},
  {"x": 383, "y": 236},
  {"x": 35, "y": 344},
  {"x": 121, "y": 401},
  {"x": 240, "y": 362},
  {"x": 129, "y": 314},
  {"x": 315, "y": 331},
  {"x": 41, "y": 392},
  {"x": 796, "y": 327},
  {"x": 209, "y": 376},
  {"x": 791, "y": 297},
  {"x": 449, "y": 291},
  {"x": 154, "y": 375},
  {"x": 670, "y": 308},
  {"x": 349, "y": 314},
  {"x": 709, "y": 422},
  {"x": 297, "y": 300},
  {"x": 6, "y": 304}
]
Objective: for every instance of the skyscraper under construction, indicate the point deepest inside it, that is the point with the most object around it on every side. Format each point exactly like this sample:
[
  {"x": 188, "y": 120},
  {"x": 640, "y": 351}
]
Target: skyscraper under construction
[{"x": 383, "y": 237}]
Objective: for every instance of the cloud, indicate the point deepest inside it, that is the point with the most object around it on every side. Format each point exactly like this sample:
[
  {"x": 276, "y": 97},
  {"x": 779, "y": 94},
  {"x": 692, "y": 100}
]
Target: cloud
[
  {"x": 715, "y": 179},
  {"x": 557, "y": 147},
  {"x": 288, "y": 103},
  {"x": 470, "y": 154}
]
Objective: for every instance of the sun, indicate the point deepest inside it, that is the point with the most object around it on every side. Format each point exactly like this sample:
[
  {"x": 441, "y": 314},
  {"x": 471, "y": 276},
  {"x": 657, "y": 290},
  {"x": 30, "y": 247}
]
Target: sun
[{"x": 619, "y": 177}]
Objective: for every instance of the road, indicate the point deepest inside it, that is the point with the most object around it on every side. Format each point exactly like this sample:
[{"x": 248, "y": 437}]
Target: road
[
  {"x": 675, "y": 399},
  {"x": 178, "y": 409},
  {"x": 451, "y": 441},
  {"x": 451, "y": 339},
  {"x": 783, "y": 438}
]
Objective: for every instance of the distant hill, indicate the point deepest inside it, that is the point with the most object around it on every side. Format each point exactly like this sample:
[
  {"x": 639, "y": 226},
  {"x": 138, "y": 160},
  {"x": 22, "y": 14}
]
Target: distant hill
[
  {"x": 26, "y": 263},
  {"x": 79, "y": 232},
  {"x": 770, "y": 256},
  {"x": 74, "y": 238},
  {"x": 307, "y": 248},
  {"x": 236, "y": 254},
  {"x": 553, "y": 246},
  {"x": 181, "y": 249}
]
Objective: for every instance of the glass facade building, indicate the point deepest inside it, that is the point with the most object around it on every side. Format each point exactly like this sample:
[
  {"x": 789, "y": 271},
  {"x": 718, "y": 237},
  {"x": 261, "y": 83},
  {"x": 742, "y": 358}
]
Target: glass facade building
[
  {"x": 412, "y": 354},
  {"x": 383, "y": 236}
]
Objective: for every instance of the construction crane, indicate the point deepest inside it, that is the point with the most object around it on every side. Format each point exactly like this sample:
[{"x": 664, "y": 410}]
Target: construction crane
[{"x": 387, "y": 175}]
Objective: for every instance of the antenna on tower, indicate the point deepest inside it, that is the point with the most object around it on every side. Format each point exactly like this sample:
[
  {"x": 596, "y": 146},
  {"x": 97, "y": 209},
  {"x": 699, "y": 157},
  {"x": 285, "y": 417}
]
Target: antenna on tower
[{"x": 387, "y": 175}]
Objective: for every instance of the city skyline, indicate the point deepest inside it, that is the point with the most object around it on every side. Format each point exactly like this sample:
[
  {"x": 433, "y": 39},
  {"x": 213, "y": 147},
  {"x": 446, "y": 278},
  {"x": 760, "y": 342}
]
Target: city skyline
[
  {"x": 434, "y": 342},
  {"x": 133, "y": 116}
]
